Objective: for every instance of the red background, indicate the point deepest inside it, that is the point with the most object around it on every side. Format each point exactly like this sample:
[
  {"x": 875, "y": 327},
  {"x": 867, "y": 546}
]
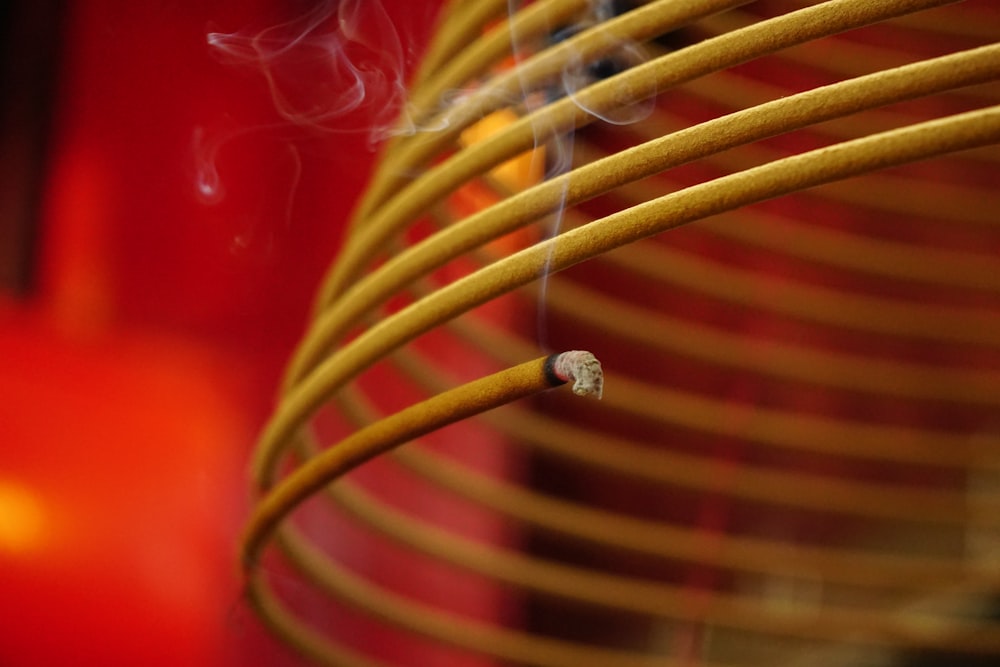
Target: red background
[{"x": 136, "y": 376}]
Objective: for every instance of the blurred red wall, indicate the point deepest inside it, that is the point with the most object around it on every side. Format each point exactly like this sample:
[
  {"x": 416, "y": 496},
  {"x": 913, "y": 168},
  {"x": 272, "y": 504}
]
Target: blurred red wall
[{"x": 185, "y": 226}]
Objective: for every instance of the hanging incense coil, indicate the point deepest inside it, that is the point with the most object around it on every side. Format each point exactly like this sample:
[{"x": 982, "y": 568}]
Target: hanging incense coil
[{"x": 778, "y": 230}]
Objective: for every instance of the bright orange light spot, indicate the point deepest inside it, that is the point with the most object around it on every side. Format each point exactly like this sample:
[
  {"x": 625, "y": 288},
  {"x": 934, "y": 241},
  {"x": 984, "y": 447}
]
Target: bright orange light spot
[
  {"x": 22, "y": 518},
  {"x": 518, "y": 173}
]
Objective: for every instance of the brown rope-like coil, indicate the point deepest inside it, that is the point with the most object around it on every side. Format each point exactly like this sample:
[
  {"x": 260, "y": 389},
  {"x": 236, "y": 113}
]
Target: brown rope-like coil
[{"x": 778, "y": 226}]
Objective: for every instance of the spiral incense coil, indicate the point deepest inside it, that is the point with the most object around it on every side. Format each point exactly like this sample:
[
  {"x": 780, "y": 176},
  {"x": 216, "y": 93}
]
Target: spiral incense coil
[{"x": 796, "y": 458}]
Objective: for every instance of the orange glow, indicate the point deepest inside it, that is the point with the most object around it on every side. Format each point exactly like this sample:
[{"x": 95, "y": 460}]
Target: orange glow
[
  {"x": 22, "y": 519},
  {"x": 518, "y": 173}
]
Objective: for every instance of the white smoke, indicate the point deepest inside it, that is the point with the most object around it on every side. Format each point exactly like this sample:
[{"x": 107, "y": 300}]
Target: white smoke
[{"x": 338, "y": 68}]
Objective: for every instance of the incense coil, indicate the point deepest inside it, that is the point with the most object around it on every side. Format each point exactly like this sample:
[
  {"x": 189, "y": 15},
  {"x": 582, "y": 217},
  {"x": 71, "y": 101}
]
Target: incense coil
[{"x": 797, "y": 451}]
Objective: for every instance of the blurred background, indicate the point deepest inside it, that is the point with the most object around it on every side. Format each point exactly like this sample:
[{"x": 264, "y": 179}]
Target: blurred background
[{"x": 162, "y": 230}]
